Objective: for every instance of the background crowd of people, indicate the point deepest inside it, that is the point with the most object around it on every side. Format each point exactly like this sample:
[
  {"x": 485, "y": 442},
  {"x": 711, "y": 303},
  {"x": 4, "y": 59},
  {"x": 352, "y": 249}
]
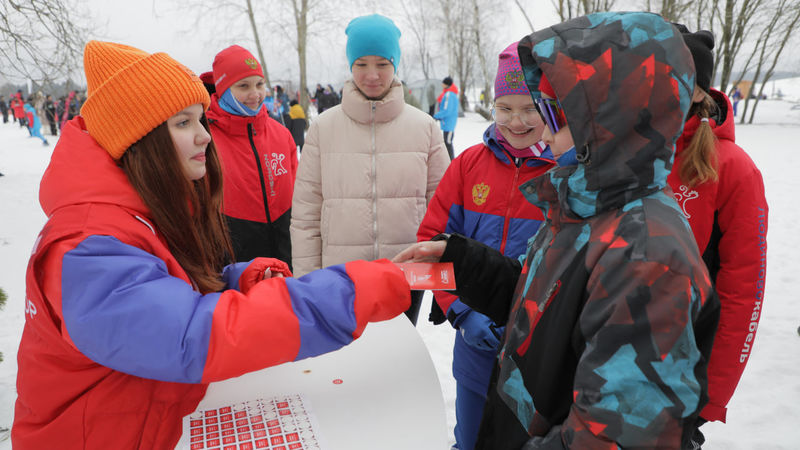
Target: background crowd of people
[{"x": 37, "y": 111}]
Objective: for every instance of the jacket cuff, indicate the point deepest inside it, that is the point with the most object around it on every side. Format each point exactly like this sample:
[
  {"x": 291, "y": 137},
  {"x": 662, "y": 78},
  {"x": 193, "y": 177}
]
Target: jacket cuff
[
  {"x": 455, "y": 250},
  {"x": 713, "y": 413},
  {"x": 457, "y": 312}
]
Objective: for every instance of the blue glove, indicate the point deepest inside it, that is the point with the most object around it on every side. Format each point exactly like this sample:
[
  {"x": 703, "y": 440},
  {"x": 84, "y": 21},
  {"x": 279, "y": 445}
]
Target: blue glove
[{"x": 479, "y": 331}]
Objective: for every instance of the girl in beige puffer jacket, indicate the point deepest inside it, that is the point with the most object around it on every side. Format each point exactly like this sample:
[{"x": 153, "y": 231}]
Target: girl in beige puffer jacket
[{"x": 369, "y": 165}]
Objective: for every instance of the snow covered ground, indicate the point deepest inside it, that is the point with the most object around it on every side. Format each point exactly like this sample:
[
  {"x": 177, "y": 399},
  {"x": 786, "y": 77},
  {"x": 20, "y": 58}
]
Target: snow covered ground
[{"x": 763, "y": 413}]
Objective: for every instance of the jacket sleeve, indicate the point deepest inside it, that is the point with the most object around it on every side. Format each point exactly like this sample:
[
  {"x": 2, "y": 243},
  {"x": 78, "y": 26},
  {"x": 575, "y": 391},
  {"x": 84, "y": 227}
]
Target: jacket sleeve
[
  {"x": 232, "y": 274},
  {"x": 438, "y": 160},
  {"x": 443, "y": 216},
  {"x": 636, "y": 379},
  {"x": 122, "y": 308},
  {"x": 439, "y": 115},
  {"x": 485, "y": 278},
  {"x": 448, "y": 108},
  {"x": 740, "y": 281},
  {"x": 307, "y": 208}
]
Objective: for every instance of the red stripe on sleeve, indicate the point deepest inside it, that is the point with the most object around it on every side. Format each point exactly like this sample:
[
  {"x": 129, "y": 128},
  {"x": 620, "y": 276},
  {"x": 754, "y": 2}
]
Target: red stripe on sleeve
[
  {"x": 382, "y": 292},
  {"x": 251, "y": 332}
]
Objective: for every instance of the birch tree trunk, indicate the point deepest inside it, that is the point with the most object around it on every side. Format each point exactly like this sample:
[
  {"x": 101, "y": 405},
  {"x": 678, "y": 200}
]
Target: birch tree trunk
[{"x": 261, "y": 58}]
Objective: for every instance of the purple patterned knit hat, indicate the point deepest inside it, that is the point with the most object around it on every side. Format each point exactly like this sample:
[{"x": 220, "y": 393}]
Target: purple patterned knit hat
[{"x": 509, "y": 79}]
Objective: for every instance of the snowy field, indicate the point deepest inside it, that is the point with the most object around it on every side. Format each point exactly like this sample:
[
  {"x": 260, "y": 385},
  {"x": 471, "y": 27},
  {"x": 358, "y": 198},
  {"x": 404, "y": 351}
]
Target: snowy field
[{"x": 765, "y": 410}]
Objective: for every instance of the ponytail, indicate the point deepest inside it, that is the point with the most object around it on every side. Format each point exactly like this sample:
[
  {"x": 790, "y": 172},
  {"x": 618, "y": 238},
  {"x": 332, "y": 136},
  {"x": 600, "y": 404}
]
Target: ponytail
[{"x": 699, "y": 159}]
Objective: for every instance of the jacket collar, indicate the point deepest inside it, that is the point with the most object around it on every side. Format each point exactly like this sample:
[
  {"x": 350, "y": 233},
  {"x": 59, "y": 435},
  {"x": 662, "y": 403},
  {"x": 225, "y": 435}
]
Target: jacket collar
[
  {"x": 359, "y": 108},
  {"x": 491, "y": 142},
  {"x": 232, "y": 124}
]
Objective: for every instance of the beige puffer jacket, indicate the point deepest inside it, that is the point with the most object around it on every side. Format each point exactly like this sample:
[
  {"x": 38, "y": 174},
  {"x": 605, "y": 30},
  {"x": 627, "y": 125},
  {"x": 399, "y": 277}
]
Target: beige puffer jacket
[{"x": 366, "y": 174}]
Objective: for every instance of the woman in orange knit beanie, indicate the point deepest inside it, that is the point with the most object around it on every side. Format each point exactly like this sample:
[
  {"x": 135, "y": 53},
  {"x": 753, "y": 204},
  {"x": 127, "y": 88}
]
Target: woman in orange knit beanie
[{"x": 131, "y": 309}]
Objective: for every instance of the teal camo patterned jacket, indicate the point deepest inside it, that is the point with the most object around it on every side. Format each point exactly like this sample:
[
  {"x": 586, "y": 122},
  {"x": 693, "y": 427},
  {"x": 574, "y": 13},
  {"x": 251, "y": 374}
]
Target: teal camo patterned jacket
[{"x": 611, "y": 315}]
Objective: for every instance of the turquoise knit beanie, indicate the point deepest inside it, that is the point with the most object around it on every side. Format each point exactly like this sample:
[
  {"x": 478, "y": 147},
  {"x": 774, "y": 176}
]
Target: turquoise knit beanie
[{"x": 373, "y": 35}]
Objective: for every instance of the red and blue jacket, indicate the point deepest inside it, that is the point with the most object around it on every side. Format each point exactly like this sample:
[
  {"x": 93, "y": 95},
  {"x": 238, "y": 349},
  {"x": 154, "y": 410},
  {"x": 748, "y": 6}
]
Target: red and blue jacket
[
  {"x": 33, "y": 119},
  {"x": 447, "y": 115},
  {"x": 259, "y": 163},
  {"x": 118, "y": 346},
  {"x": 479, "y": 197},
  {"x": 729, "y": 221}
]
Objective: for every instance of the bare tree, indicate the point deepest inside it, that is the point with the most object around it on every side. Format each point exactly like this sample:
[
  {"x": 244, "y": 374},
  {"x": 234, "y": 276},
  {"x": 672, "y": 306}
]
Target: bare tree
[
  {"x": 458, "y": 15},
  {"x": 252, "y": 17},
  {"x": 525, "y": 15},
  {"x": 592, "y": 6},
  {"x": 481, "y": 21},
  {"x": 568, "y": 9},
  {"x": 564, "y": 8},
  {"x": 419, "y": 20},
  {"x": 710, "y": 16},
  {"x": 757, "y": 48},
  {"x": 763, "y": 26},
  {"x": 40, "y": 40},
  {"x": 787, "y": 14},
  {"x": 731, "y": 21},
  {"x": 672, "y": 10},
  {"x": 706, "y": 15},
  {"x": 228, "y": 14},
  {"x": 449, "y": 17},
  {"x": 302, "y": 20},
  {"x": 737, "y": 24}
]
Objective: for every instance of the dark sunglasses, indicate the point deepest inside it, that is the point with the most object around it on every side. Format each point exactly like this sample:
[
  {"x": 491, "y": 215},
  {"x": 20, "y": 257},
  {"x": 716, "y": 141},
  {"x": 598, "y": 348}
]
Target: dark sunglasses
[{"x": 552, "y": 113}]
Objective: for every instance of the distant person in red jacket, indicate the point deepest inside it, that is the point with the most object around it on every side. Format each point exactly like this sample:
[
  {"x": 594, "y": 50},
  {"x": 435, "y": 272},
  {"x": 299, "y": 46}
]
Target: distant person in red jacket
[
  {"x": 259, "y": 158},
  {"x": 18, "y": 106},
  {"x": 131, "y": 310},
  {"x": 721, "y": 192}
]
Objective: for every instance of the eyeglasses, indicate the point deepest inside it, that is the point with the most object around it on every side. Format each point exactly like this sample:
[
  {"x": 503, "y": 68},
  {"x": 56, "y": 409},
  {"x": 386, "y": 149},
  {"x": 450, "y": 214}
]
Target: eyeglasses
[
  {"x": 552, "y": 113},
  {"x": 504, "y": 116}
]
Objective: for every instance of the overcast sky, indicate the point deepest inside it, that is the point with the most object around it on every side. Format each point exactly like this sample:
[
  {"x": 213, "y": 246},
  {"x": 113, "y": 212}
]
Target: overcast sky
[{"x": 157, "y": 26}]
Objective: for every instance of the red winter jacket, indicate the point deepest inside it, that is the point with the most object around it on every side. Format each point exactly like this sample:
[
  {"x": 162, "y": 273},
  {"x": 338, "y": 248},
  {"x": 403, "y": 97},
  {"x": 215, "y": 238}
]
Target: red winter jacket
[
  {"x": 259, "y": 162},
  {"x": 479, "y": 197},
  {"x": 729, "y": 222},
  {"x": 18, "y": 105},
  {"x": 118, "y": 346}
]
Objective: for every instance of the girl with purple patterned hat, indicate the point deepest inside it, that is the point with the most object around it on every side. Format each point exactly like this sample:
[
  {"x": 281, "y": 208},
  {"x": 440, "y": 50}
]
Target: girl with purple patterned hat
[{"x": 478, "y": 197}]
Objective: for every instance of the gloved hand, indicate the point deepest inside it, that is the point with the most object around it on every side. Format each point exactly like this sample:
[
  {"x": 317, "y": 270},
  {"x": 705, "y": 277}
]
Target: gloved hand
[
  {"x": 479, "y": 331},
  {"x": 257, "y": 269}
]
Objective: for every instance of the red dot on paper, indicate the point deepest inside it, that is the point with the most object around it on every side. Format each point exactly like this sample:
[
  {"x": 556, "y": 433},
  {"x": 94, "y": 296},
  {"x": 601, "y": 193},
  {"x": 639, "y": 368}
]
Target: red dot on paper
[{"x": 338, "y": 381}]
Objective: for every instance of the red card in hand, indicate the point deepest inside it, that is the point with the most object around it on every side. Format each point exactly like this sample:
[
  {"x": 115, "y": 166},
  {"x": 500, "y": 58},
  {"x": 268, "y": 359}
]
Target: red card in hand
[{"x": 429, "y": 276}]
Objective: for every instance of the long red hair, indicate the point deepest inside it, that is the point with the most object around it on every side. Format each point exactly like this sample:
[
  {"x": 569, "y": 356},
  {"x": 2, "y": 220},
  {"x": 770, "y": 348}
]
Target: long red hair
[{"x": 187, "y": 213}]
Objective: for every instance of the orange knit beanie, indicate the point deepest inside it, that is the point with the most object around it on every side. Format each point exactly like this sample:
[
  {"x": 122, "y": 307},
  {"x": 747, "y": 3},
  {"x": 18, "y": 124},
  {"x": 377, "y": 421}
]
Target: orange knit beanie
[{"x": 131, "y": 92}]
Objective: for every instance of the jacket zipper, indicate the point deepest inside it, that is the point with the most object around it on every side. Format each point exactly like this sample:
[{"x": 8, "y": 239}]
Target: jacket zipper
[
  {"x": 506, "y": 220},
  {"x": 260, "y": 171},
  {"x": 374, "y": 184}
]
